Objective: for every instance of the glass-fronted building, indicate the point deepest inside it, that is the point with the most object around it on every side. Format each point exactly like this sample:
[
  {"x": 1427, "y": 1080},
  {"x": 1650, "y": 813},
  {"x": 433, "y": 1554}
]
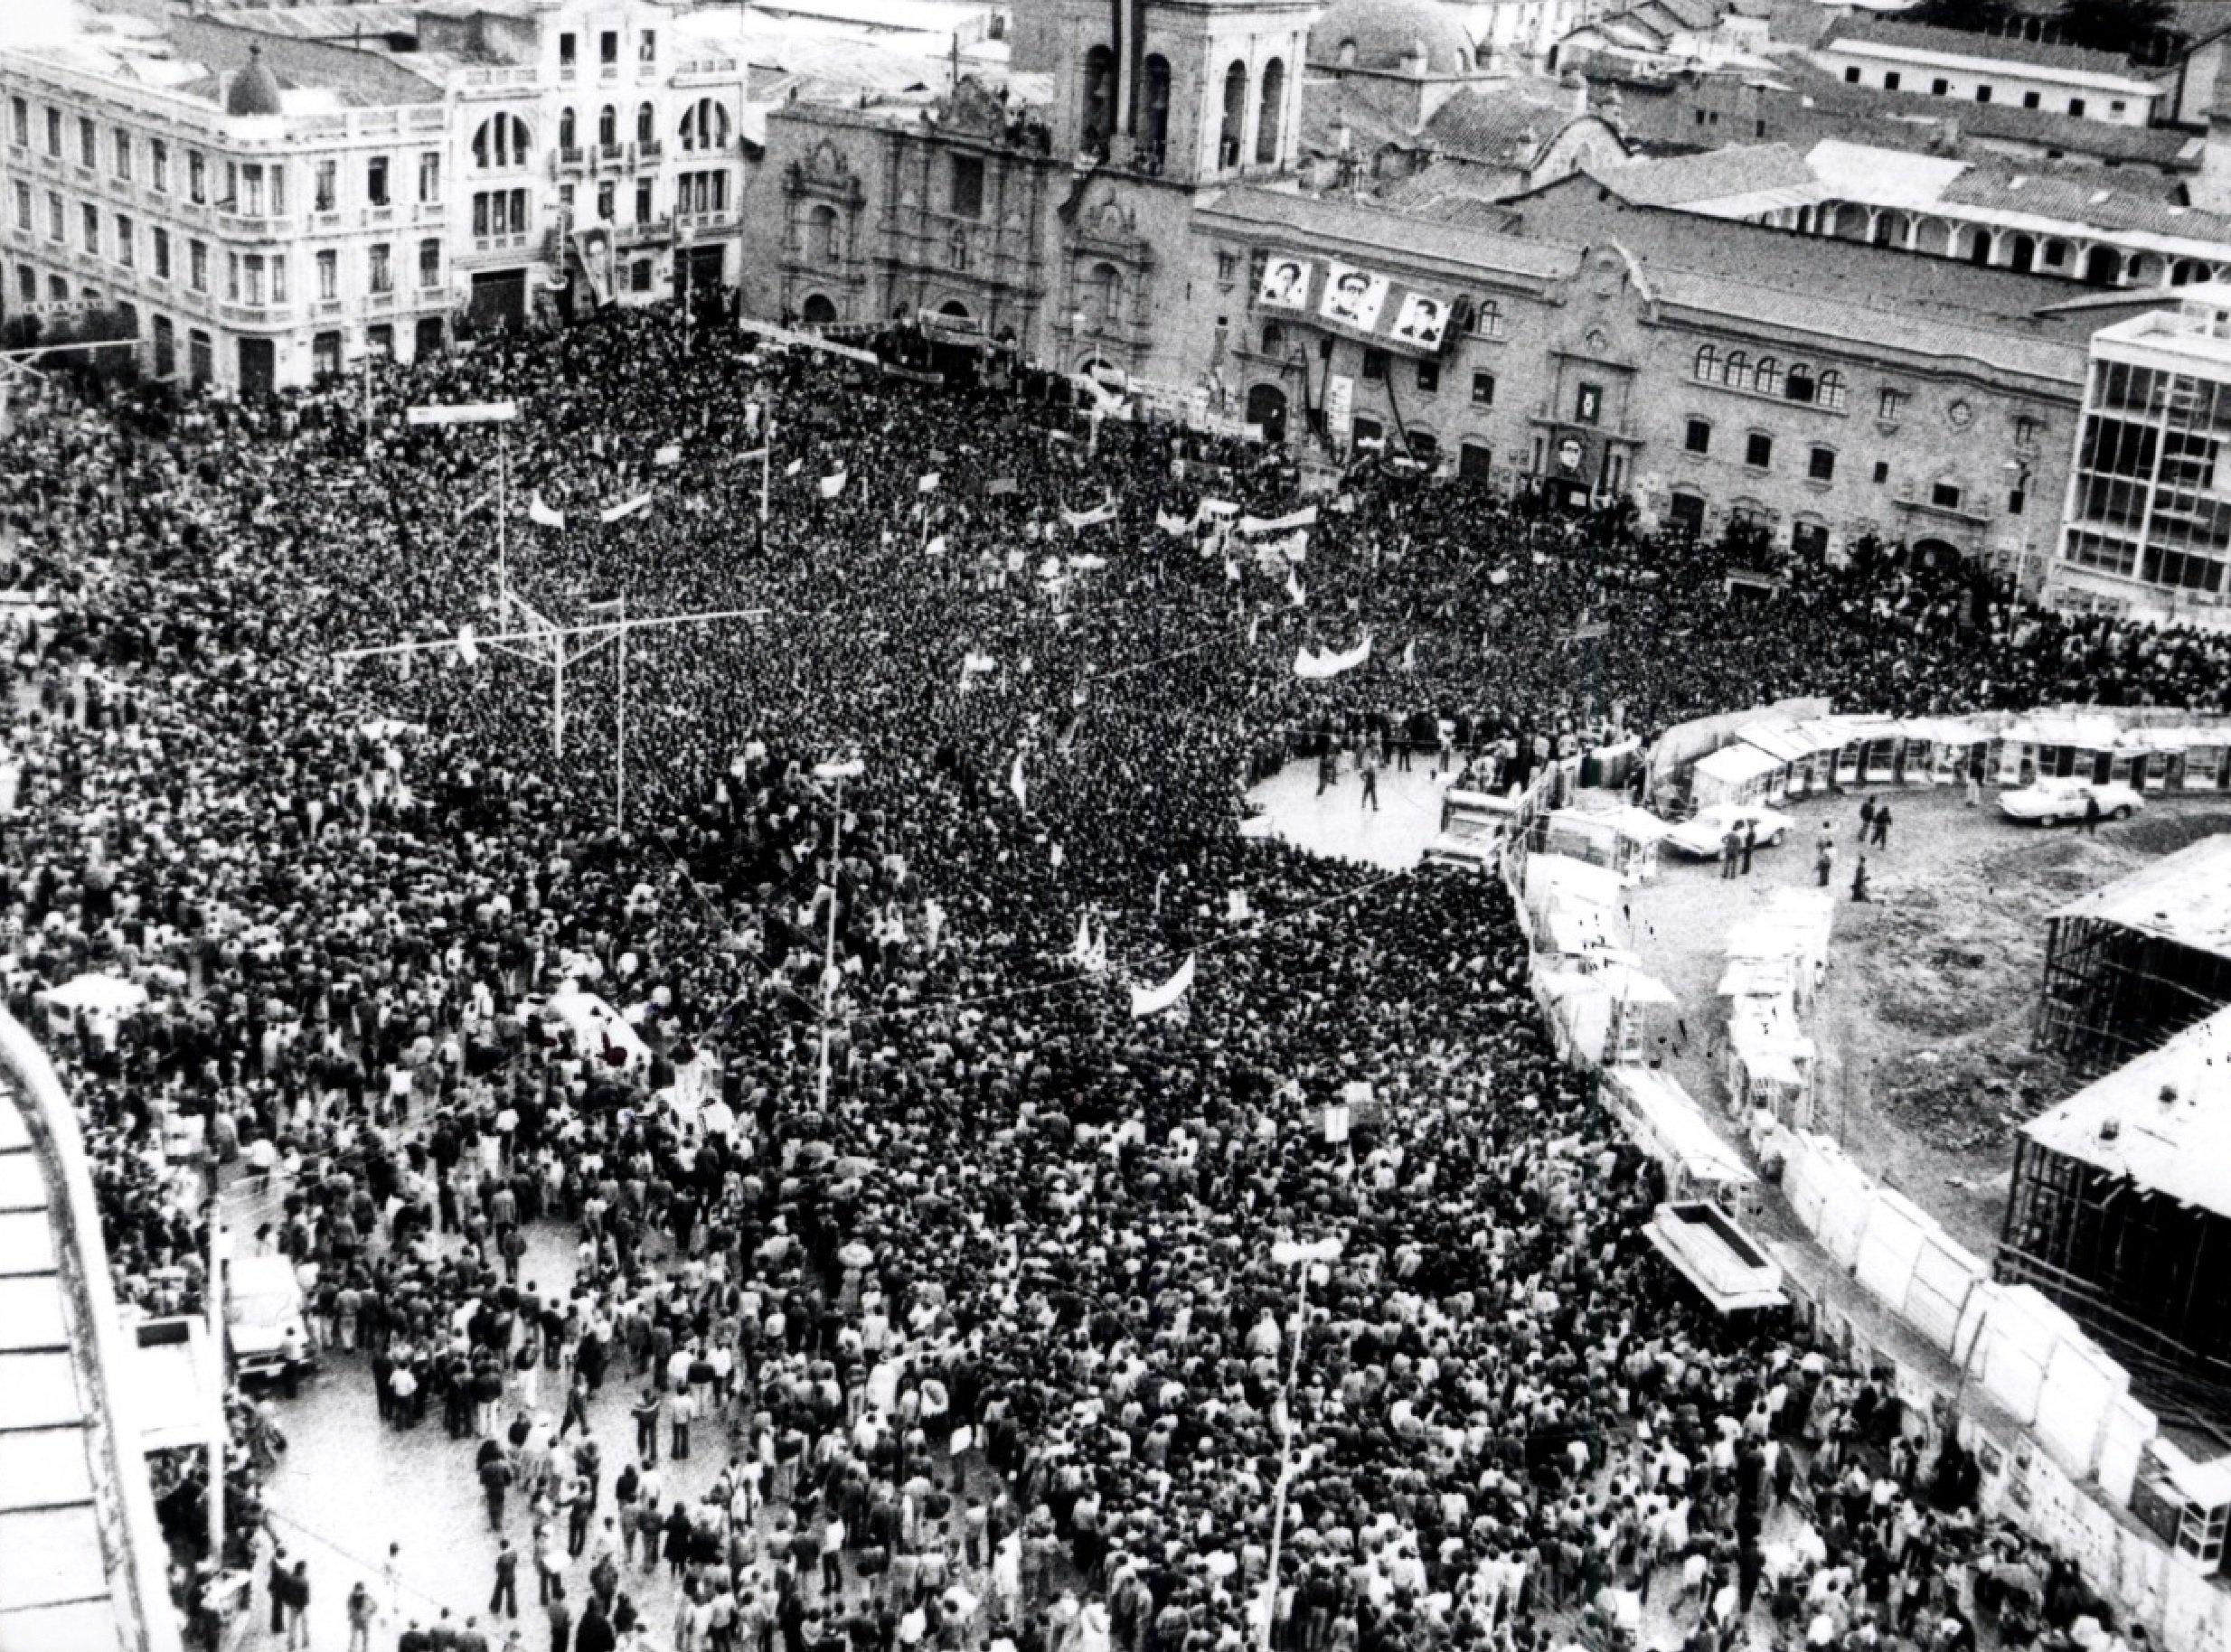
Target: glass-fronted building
[{"x": 2146, "y": 530}]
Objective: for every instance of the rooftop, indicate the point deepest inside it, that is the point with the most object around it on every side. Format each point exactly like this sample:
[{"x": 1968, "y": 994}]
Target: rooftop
[
  {"x": 1503, "y": 123},
  {"x": 1364, "y": 227},
  {"x": 2163, "y": 1119},
  {"x": 1713, "y": 175},
  {"x": 1389, "y": 34},
  {"x": 2184, "y": 898},
  {"x": 2007, "y": 49}
]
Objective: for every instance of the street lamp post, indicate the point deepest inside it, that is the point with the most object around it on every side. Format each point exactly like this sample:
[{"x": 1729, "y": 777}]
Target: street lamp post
[
  {"x": 839, "y": 771},
  {"x": 1303, "y": 1259}
]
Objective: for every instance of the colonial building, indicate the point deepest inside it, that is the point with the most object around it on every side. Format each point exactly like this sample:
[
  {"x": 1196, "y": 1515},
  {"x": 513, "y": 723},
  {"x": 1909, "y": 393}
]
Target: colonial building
[
  {"x": 1964, "y": 68},
  {"x": 266, "y": 208}
]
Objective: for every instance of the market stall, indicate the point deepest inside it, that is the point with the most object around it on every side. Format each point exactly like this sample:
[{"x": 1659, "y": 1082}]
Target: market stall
[
  {"x": 1940, "y": 750},
  {"x": 1738, "y": 774},
  {"x": 1788, "y": 747},
  {"x": 1567, "y": 899},
  {"x": 1623, "y": 840},
  {"x": 1603, "y": 1015},
  {"x": 2056, "y": 744},
  {"x": 1770, "y": 1064}
]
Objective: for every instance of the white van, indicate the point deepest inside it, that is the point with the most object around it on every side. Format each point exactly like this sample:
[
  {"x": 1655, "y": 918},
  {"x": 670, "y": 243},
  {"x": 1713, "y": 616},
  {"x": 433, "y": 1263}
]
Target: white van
[{"x": 263, "y": 1301}]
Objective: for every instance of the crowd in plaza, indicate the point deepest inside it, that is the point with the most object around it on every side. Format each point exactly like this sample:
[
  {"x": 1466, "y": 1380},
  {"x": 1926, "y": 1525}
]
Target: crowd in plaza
[{"x": 883, "y": 1198}]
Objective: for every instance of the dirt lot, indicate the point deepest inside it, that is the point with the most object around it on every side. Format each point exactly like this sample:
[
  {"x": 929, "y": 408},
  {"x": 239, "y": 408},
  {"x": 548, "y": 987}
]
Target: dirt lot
[{"x": 1924, "y": 1028}]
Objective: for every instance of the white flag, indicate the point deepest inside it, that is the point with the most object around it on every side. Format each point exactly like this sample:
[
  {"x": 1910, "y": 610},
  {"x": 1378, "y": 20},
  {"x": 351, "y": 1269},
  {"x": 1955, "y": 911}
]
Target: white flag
[
  {"x": 542, "y": 515},
  {"x": 1018, "y": 785},
  {"x": 927, "y": 484},
  {"x": 1410, "y": 655},
  {"x": 669, "y": 455},
  {"x": 831, "y": 486},
  {"x": 1294, "y": 588},
  {"x": 1153, "y": 1000},
  {"x": 794, "y": 467},
  {"x": 1306, "y": 665},
  {"x": 935, "y": 548},
  {"x": 620, "y": 512},
  {"x": 468, "y": 651}
]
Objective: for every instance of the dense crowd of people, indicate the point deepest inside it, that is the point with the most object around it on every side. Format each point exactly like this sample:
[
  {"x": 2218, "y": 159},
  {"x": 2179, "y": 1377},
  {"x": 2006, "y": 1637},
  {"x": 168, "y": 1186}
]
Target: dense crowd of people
[{"x": 882, "y": 1197}]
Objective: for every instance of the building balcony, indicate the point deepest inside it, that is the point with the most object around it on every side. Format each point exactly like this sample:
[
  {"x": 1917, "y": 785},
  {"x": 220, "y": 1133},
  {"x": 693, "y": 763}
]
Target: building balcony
[
  {"x": 380, "y": 298},
  {"x": 611, "y": 154},
  {"x": 571, "y": 159},
  {"x": 698, "y": 223},
  {"x": 516, "y": 240},
  {"x": 642, "y": 234},
  {"x": 652, "y": 152},
  {"x": 255, "y": 314}
]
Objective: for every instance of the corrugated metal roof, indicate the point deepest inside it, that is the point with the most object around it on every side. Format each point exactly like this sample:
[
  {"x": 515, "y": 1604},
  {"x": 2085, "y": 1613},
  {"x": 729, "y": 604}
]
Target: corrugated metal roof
[{"x": 2182, "y": 1146}]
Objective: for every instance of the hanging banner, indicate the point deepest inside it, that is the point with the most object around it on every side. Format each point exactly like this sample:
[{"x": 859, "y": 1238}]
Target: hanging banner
[
  {"x": 1306, "y": 516},
  {"x": 1081, "y": 520},
  {"x": 1340, "y": 405},
  {"x": 1317, "y": 667},
  {"x": 1153, "y": 1000},
  {"x": 1352, "y": 297},
  {"x": 1177, "y": 527},
  {"x": 542, "y": 515},
  {"x": 1285, "y": 284},
  {"x": 1421, "y": 323}
]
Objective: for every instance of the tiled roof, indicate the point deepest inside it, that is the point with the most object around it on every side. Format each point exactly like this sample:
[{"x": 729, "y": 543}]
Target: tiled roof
[
  {"x": 1491, "y": 126},
  {"x": 1998, "y": 48},
  {"x": 1716, "y": 175},
  {"x": 2084, "y": 199},
  {"x": 1840, "y": 320},
  {"x": 1456, "y": 192},
  {"x": 1327, "y": 104},
  {"x": 1904, "y": 119},
  {"x": 1318, "y": 219}
]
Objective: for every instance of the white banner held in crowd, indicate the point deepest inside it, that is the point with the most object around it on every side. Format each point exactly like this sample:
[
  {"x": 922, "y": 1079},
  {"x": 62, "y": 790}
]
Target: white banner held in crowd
[
  {"x": 935, "y": 548},
  {"x": 1153, "y": 1000},
  {"x": 831, "y": 486},
  {"x": 1080, "y": 520},
  {"x": 928, "y": 483},
  {"x": 669, "y": 455},
  {"x": 1215, "y": 509},
  {"x": 973, "y": 663},
  {"x": 622, "y": 512},
  {"x": 1306, "y": 516},
  {"x": 542, "y": 515},
  {"x": 794, "y": 467},
  {"x": 1177, "y": 527},
  {"x": 1320, "y": 666}
]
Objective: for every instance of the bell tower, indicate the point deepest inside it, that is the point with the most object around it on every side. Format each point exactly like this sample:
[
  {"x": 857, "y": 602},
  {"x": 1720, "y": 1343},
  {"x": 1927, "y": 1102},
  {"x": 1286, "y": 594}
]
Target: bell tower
[{"x": 1192, "y": 92}]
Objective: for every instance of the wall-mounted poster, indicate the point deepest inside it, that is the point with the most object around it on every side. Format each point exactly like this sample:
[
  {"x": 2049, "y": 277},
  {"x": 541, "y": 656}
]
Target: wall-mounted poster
[
  {"x": 1285, "y": 284},
  {"x": 1352, "y": 297},
  {"x": 1421, "y": 322}
]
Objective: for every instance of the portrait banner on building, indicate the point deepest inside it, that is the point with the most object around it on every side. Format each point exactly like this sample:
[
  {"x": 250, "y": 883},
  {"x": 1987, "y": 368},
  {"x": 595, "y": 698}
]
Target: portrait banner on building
[
  {"x": 1421, "y": 323},
  {"x": 1285, "y": 284},
  {"x": 1352, "y": 297}
]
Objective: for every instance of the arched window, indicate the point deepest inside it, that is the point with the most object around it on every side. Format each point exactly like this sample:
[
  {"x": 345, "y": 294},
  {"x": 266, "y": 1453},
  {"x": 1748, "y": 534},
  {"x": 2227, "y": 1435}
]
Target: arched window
[
  {"x": 1156, "y": 139},
  {"x": 609, "y": 125},
  {"x": 1832, "y": 392},
  {"x": 1801, "y": 386},
  {"x": 1736, "y": 372},
  {"x": 501, "y": 141},
  {"x": 1708, "y": 364},
  {"x": 1274, "y": 340},
  {"x": 1228, "y": 152},
  {"x": 705, "y": 124},
  {"x": 818, "y": 312},
  {"x": 821, "y": 231},
  {"x": 2022, "y": 253},
  {"x": 1767, "y": 377},
  {"x": 1104, "y": 295},
  {"x": 1269, "y": 117},
  {"x": 569, "y": 133},
  {"x": 2184, "y": 273},
  {"x": 646, "y": 124},
  {"x": 1099, "y": 110}
]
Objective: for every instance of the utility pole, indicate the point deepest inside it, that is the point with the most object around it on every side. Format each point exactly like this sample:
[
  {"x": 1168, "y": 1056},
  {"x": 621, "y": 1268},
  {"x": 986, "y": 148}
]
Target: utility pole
[{"x": 220, "y": 1431}]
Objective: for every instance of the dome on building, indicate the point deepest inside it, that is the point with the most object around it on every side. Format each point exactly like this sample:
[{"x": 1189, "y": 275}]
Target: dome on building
[
  {"x": 255, "y": 90},
  {"x": 1391, "y": 35}
]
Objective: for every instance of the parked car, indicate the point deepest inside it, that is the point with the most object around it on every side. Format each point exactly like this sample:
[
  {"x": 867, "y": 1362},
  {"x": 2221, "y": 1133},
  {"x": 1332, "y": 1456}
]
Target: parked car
[
  {"x": 263, "y": 1304},
  {"x": 1700, "y": 836},
  {"x": 2051, "y": 802}
]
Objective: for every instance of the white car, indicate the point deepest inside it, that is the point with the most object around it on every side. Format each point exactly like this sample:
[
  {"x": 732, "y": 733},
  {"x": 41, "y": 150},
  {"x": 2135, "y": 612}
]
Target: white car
[
  {"x": 1700, "y": 835},
  {"x": 2050, "y": 802}
]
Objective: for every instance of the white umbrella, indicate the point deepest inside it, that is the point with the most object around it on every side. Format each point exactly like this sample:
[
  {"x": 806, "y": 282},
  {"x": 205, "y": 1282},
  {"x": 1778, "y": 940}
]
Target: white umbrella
[{"x": 100, "y": 994}]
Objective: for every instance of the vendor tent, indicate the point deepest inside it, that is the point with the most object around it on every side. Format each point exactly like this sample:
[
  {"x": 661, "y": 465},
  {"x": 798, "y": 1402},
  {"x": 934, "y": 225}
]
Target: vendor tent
[
  {"x": 1738, "y": 774},
  {"x": 1770, "y": 1063}
]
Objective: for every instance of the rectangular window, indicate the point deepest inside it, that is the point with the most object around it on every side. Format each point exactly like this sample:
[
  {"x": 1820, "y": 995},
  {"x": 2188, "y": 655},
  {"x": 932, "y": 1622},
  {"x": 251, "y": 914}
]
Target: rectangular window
[
  {"x": 383, "y": 272},
  {"x": 1820, "y": 464},
  {"x": 646, "y": 46},
  {"x": 1588, "y": 404},
  {"x": 54, "y": 133},
  {"x": 2076, "y": 106},
  {"x": 1758, "y": 450},
  {"x": 54, "y": 217},
  {"x": 967, "y": 186},
  {"x": 569, "y": 51},
  {"x": 1374, "y": 364},
  {"x": 429, "y": 177},
  {"x": 165, "y": 347},
  {"x": 376, "y": 181},
  {"x": 159, "y": 165},
  {"x": 232, "y": 277},
  {"x": 609, "y": 46},
  {"x": 324, "y": 186},
  {"x": 1890, "y": 404},
  {"x": 645, "y": 209},
  {"x": 1368, "y": 431},
  {"x": 2015, "y": 502},
  {"x": 2024, "y": 432},
  {"x": 640, "y": 275},
  {"x": 1851, "y": 75},
  {"x": 123, "y": 157},
  {"x": 1474, "y": 463},
  {"x": 27, "y": 283},
  {"x": 163, "y": 255},
  {"x": 1698, "y": 438},
  {"x": 1429, "y": 378},
  {"x": 88, "y": 143},
  {"x": 1891, "y": 80},
  {"x": 2030, "y": 100},
  {"x": 252, "y": 288},
  {"x": 128, "y": 246},
  {"x": 249, "y": 201},
  {"x": 1944, "y": 496},
  {"x": 1982, "y": 94},
  {"x": 607, "y": 196},
  {"x": 91, "y": 223},
  {"x": 1483, "y": 390},
  {"x": 328, "y": 276},
  {"x": 197, "y": 177},
  {"x": 1882, "y": 472},
  {"x": 430, "y": 263},
  {"x": 381, "y": 341},
  {"x": 19, "y": 120},
  {"x": 23, "y": 205},
  {"x": 1227, "y": 269},
  {"x": 1937, "y": 89}
]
